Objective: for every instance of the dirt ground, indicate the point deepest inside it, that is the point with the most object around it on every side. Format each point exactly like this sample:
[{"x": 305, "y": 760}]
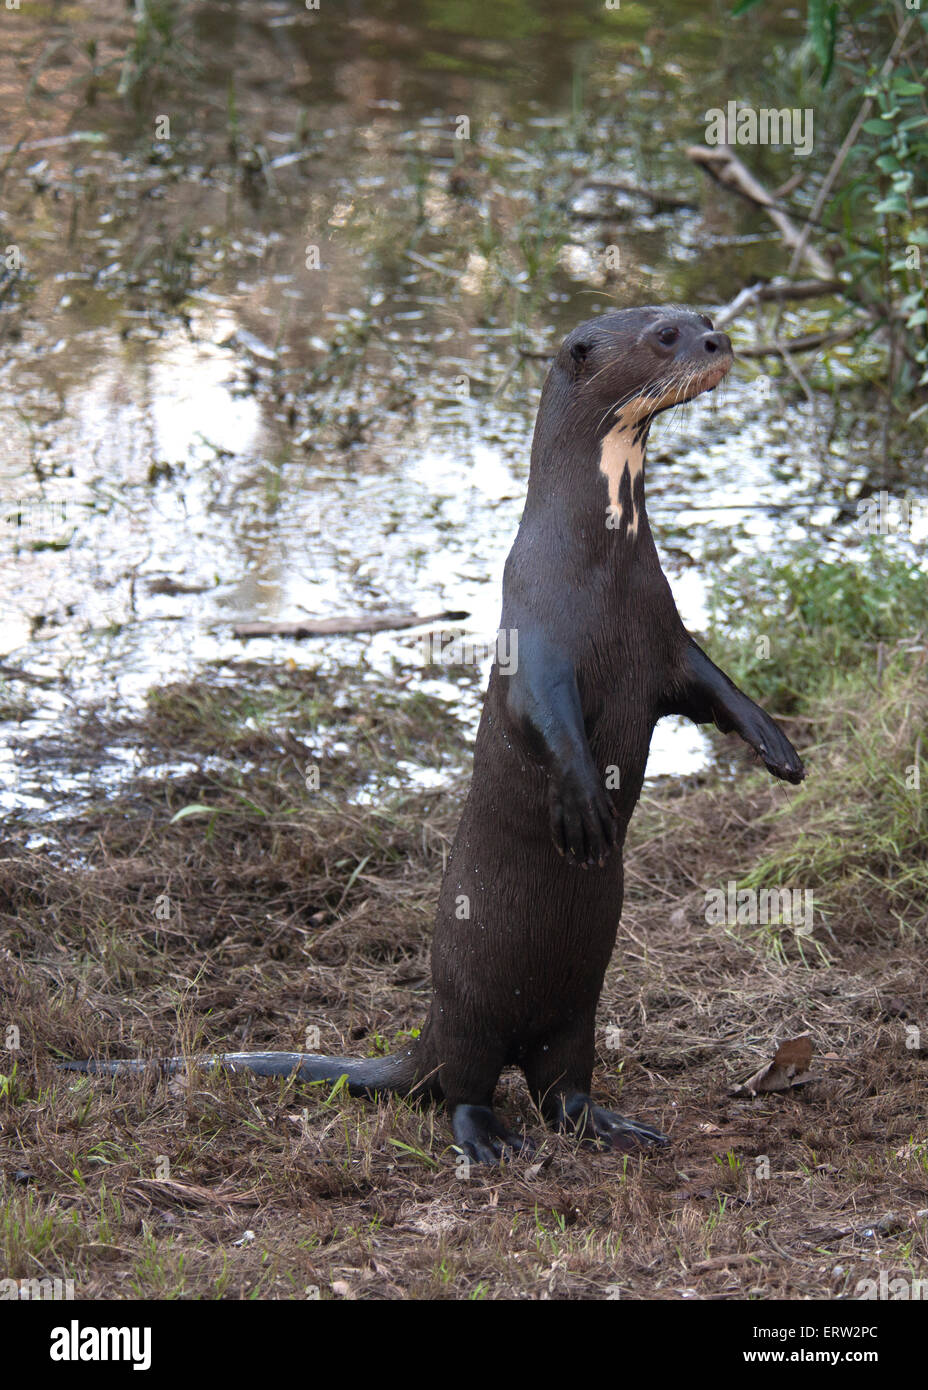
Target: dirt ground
[
  {"x": 272, "y": 915},
  {"x": 282, "y": 911}
]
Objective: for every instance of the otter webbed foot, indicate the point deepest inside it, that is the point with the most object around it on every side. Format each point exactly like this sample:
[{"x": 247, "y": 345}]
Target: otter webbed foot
[
  {"x": 481, "y": 1136},
  {"x": 592, "y": 1124}
]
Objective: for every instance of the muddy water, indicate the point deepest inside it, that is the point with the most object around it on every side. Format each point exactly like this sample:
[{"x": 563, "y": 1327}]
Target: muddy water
[{"x": 262, "y": 349}]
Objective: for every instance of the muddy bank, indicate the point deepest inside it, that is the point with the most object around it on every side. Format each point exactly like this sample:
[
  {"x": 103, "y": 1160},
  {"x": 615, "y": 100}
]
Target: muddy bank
[{"x": 270, "y": 916}]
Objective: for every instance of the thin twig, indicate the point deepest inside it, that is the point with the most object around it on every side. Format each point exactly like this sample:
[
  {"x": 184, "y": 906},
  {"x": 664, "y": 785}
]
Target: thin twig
[
  {"x": 777, "y": 292},
  {"x": 807, "y": 342}
]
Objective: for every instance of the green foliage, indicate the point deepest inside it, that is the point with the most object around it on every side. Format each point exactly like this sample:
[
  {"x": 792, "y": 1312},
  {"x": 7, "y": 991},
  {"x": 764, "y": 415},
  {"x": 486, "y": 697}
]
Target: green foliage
[
  {"x": 886, "y": 202},
  {"x": 826, "y": 620},
  {"x": 157, "y": 50},
  {"x": 879, "y": 61},
  {"x": 823, "y": 31}
]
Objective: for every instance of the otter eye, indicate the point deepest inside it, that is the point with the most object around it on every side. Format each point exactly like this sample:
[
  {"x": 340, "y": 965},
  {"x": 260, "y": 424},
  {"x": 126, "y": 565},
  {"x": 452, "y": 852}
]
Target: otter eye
[
  {"x": 668, "y": 335},
  {"x": 579, "y": 351}
]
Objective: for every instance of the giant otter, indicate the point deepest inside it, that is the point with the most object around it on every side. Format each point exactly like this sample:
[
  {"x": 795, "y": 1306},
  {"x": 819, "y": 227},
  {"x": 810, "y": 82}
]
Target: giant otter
[{"x": 531, "y": 898}]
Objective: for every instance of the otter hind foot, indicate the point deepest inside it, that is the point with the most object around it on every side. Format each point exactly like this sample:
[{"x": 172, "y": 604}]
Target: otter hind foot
[
  {"x": 592, "y": 1124},
  {"x": 481, "y": 1137}
]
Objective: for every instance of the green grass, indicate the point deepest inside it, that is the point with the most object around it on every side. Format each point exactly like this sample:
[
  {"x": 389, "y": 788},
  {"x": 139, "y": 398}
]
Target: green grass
[
  {"x": 856, "y": 832},
  {"x": 848, "y": 664},
  {"x": 825, "y": 620}
]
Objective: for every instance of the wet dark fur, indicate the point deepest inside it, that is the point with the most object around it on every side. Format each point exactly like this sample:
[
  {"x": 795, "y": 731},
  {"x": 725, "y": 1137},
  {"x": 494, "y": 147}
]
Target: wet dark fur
[{"x": 538, "y": 853}]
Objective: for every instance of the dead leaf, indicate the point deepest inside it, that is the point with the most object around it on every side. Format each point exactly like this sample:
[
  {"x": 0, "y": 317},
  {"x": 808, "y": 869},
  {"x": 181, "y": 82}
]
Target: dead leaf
[{"x": 790, "y": 1067}]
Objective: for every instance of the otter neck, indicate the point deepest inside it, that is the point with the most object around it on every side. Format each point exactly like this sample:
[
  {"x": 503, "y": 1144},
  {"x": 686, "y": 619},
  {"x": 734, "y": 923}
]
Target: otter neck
[{"x": 588, "y": 475}]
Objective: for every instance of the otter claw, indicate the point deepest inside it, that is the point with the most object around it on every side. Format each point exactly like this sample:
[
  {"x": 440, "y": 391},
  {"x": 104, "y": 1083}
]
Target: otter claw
[
  {"x": 583, "y": 822},
  {"x": 592, "y": 1124},
  {"x": 482, "y": 1138}
]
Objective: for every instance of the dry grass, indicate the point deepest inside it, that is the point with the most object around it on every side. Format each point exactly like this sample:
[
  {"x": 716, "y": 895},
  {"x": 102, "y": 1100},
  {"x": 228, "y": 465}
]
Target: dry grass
[{"x": 290, "y": 912}]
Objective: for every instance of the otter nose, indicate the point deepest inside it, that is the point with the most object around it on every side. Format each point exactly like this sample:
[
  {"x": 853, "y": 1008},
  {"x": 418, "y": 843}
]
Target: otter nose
[{"x": 716, "y": 342}]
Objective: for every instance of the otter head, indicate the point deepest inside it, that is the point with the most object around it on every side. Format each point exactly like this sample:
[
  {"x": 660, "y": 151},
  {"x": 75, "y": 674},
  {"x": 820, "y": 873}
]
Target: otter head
[
  {"x": 628, "y": 366},
  {"x": 619, "y": 371}
]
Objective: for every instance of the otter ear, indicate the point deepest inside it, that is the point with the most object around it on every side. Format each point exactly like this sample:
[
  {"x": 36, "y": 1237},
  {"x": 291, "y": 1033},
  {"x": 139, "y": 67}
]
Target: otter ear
[{"x": 579, "y": 351}]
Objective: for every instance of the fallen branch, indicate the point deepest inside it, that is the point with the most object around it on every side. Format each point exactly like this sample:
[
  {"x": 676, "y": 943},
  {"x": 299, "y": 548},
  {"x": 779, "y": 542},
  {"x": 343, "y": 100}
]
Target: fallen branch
[
  {"x": 722, "y": 164},
  {"x": 17, "y": 673},
  {"x": 660, "y": 202},
  {"x": 807, "y": 342},
  {"x": 436, "y": 266},
  {"x": 779, "y": 291},
  {"x": 337, "y": 627}
]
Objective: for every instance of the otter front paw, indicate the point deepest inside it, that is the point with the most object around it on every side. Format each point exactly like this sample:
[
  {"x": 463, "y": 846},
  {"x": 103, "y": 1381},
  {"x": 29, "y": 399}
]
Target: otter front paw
[
  {"x": 772, "y": 747},
  {"x": 584, "y": 827}
]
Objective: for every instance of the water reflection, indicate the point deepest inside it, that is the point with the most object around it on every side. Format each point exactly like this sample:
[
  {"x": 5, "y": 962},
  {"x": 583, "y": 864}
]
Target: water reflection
[{"x": 267, "y": 362}]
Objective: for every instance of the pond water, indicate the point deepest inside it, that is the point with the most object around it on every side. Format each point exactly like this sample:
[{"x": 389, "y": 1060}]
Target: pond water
[{"x": 263, "y": 349}]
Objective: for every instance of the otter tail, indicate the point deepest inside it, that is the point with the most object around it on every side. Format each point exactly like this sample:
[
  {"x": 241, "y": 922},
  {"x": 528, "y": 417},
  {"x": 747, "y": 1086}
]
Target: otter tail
[{"x": 400, "y": 1073}]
